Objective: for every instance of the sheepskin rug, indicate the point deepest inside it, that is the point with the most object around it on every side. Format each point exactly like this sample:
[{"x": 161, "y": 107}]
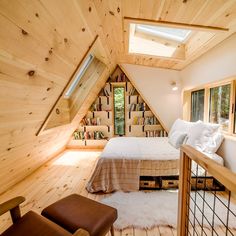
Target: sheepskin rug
[{"x": 146, "y": 210}]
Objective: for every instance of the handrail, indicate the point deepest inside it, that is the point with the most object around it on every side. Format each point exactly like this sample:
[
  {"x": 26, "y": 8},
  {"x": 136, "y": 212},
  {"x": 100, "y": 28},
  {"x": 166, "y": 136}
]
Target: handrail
[
  {"x": 224, "y": 175},
  {"x": 219, "y": 172}
]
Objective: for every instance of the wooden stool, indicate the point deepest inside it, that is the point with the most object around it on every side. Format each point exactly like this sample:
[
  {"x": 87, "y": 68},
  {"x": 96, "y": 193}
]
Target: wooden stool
[{"x": 74, "y": 212}]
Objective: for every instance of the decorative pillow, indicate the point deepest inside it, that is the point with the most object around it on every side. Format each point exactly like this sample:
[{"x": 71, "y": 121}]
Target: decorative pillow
[
  {"x": 181, "y": 126},
  {"x": 212, "y": 144},
  {"x": 177, "y": 138},
  {"x": 200, "y": 135}
]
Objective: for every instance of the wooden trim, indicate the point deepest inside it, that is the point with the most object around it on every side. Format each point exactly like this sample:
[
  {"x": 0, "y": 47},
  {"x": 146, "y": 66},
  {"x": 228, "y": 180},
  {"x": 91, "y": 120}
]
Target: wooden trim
[
  {"x": 213, "y": 84},
  {"x": 42, "y": 127},
  {"x": 184, "y": 189},
  {"x": 187, "y": 105},
  {"x": 189, "y": 154},
  {"x": 119, "y": 85},
  {"x": 232, "y": 107},
  {"x": 206, "y": 104},
  {"x": 84, "y": 148},
  {"x": 177, "y": 25},
  {"x": 227, "y": 178}
]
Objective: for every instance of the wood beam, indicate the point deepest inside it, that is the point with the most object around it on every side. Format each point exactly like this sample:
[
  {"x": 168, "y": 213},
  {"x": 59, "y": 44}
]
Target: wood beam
[{"x": 177, "y": 25}]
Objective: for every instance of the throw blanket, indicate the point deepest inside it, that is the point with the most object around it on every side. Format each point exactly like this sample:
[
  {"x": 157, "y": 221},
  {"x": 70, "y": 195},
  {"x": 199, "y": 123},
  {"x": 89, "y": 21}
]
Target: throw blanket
[{"x": 125, "y": 159}]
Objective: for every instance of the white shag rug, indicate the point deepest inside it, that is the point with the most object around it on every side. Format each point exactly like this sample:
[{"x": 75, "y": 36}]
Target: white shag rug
[{"x": 147, "y": 210}]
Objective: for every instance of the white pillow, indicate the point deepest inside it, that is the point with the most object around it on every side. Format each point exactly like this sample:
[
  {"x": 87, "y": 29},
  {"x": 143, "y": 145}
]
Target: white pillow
[
  {"x": 177, "y": 138},
  {"x": 212, "y": 144},
  {"x": 181, "y": 126},
  {"x": 201, "y": 135}
]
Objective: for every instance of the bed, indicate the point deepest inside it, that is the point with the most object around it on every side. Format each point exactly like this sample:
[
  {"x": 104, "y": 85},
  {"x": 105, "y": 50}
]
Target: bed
[{"x": 125, "y": 159}]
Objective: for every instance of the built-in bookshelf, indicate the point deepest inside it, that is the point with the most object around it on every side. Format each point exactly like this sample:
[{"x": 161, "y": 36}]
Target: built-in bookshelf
[{"x": 97, "y": 127}]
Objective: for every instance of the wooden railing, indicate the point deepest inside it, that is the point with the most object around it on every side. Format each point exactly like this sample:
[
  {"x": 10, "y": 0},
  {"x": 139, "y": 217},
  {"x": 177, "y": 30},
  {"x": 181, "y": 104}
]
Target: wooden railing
[{"x": 219, "y": 172}]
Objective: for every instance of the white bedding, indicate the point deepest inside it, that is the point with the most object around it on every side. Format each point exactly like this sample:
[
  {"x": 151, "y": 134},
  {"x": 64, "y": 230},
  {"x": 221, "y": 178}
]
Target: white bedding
[
  {"x": 125, "y": 159},
  {"x": 140, "y": 148}
]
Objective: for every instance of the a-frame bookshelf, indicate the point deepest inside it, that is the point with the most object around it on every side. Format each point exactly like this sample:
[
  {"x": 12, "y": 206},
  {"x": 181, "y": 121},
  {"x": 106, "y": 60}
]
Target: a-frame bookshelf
[{"x": 97, "y": 127}]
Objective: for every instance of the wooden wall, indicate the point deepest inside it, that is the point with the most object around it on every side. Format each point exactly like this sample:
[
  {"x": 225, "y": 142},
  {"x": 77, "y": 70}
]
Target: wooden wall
[
  {"x": 201, "y": 12},
  {"x": 41, "y": 43}
]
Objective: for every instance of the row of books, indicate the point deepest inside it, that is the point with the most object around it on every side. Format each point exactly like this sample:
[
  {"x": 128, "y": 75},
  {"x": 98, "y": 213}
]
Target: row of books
[
  {"x": 132, "y": 91},
  {"x": 84, "y": 135},
  {"x": 104, "y": 92},
  {"x": 96, "y": 107},
  {"x": 137, "y": 107},
  {"x": 91, "y": 121},
  {"x": 156, "y": 133},
  {"x": 121, "y": 78},
  {"x": 148, "y": 120}
]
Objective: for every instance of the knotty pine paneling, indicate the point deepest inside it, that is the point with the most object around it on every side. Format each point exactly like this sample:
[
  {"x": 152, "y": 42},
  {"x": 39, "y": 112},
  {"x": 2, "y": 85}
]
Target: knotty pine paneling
[{"x": 41, "y": 44}]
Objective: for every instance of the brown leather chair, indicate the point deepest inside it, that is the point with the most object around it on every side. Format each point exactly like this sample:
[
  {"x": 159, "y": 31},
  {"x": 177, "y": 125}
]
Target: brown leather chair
[
  {"x": 31, "y": 223},
  {"x": 75, "y": 211}
]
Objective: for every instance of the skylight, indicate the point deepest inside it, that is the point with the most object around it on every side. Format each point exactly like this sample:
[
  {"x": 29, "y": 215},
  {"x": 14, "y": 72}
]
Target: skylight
[
  {"x": 179, "y": 35},
  {"x": 157, "y": 40},
  {"x": 79, "y": 75}
]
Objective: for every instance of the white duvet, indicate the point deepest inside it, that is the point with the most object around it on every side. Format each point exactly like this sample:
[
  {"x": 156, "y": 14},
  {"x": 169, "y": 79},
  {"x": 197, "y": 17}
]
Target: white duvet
[
  {"x": 125, "y": 159},
  {"x": 140, "y": 148}
]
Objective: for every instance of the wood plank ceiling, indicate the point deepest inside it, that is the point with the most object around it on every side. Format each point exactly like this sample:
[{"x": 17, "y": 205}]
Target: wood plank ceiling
[
  {"x": 43, "y": 41},
  {"x": 215, "y": 13}
]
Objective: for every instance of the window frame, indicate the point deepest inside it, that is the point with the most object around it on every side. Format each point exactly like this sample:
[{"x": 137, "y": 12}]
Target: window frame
[
  {"x": 84, "y": 66},
  {"x": 232, "y": 113},
  {"x": 114, "y": 115},
  {"x": 192, "y": 103}
]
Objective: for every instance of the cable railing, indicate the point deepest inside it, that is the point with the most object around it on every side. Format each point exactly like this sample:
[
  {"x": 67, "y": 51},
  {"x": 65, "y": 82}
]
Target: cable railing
[{"x": 206, "y": 204}]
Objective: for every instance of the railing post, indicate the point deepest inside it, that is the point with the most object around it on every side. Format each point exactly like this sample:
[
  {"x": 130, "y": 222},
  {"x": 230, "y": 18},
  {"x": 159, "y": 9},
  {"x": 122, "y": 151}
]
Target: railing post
[{"x": 183, "y": 196}]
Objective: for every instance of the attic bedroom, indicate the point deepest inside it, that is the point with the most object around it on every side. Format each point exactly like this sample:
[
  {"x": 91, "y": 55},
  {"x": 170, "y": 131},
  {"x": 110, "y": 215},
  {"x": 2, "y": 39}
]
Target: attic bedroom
[{"x": 117, "y": 117}]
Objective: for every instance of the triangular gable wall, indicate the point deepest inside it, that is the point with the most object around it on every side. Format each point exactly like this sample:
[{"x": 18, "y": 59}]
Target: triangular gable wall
[{"x": 97, "y": 127}]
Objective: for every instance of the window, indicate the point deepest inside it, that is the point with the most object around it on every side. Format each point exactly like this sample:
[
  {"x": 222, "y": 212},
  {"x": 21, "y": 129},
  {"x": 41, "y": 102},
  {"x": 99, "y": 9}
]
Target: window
[
  {"x": 119, "y": 110},
  {"x": 197, "y": 105},
  {"x": 157, "y": 40},
  {"x": 79, "y": 75},
  {"x": 219, "y": 111},
  {"x": 179, "y": 35},
  {"x": 234, "y": 111},
  {"x": 214, "y": 103}
]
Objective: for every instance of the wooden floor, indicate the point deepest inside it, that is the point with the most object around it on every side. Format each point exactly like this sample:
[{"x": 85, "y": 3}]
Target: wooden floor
[{"x": 60, "y": 177}]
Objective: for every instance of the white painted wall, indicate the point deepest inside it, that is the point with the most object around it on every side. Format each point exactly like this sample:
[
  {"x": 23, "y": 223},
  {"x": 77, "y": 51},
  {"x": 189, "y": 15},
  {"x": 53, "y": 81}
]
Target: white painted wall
[
  {"x": 217, "y": 64},
  {"x": 155, "y": 85}
]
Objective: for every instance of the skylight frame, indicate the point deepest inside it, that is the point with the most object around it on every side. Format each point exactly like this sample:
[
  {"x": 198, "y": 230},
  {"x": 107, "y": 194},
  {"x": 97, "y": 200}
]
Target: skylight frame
[
  {"x": 159, "y": 47},
  {"x": 162, "y": 31},
  {"x": 85, "y": 65}
]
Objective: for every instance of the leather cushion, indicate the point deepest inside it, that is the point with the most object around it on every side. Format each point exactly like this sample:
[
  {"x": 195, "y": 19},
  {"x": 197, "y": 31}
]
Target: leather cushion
[
  {"x": 35, "y": 225},
  {"x": 76, "y": 211}
]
